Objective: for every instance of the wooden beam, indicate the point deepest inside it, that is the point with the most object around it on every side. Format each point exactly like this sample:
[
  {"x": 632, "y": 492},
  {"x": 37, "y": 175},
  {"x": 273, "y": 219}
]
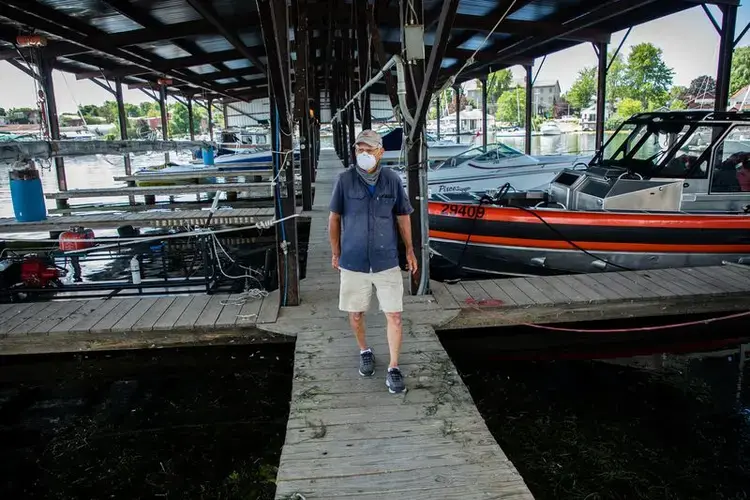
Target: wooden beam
[
  {"x": 380, "y": 54},
  {"x": 212, "y": 17},
  {"x": 301, "y": 102},
  {"x": 365, "y": 62}
]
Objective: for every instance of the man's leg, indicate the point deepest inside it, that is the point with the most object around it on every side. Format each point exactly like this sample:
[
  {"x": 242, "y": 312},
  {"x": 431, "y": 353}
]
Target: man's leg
[
  {"x": 389, "y": 285},
  {"x": 354, "y": 297}
]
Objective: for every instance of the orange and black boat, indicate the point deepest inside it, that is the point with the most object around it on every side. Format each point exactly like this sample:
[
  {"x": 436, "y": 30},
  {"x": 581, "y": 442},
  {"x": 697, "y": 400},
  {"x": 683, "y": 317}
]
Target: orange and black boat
[{"x": 665, "y": 191}]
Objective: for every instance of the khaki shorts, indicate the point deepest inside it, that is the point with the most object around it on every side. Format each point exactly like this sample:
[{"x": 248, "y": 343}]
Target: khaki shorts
[{"x": 356, "y": 290}]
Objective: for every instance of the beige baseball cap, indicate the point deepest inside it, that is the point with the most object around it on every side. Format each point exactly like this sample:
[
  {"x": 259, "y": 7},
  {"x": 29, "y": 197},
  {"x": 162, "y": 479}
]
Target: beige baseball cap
[{"x": 370, "y": 137}]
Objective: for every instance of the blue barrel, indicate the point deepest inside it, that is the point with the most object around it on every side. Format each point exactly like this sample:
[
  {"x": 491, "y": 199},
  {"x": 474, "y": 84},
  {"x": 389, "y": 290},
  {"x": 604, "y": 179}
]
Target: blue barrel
[
  {"x": 208, "y": 156},
  {"x": 27, "y": 195}
]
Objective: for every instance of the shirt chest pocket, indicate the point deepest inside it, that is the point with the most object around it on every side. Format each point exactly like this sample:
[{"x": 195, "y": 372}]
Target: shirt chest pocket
[
  {"x": 384, "y": 206},
  {"x": 356, "y": 202}
]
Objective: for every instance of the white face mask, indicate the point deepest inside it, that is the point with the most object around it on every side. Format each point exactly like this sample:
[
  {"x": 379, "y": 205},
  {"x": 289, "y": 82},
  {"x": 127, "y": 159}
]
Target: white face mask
[{"x": 366, "y": 161}]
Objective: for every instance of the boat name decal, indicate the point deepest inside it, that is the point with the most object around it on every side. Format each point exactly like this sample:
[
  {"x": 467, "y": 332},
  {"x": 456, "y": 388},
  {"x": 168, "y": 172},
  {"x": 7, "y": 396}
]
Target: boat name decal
[
  {"x": 471, "y": 211},
  {"x": 453, "y": 189}
]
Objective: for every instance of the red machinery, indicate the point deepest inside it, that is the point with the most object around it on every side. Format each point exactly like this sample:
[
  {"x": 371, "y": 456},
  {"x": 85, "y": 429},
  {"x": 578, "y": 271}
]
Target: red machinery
[
  {"x": 76, "y": 239},
  {"x": 39, "y": 272}
]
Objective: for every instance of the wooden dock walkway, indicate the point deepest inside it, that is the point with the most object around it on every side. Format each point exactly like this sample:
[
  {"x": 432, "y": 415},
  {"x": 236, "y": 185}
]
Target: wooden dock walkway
[{"x": 347, "y": 437}]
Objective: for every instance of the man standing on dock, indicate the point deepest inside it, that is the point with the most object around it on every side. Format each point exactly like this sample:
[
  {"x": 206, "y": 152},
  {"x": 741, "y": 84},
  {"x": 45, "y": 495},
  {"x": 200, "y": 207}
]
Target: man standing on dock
[{"x": 368, "y": 204}]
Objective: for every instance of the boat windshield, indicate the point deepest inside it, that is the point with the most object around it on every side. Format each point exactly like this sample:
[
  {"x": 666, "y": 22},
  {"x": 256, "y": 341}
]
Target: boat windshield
[{"x": 492, "y": 153}]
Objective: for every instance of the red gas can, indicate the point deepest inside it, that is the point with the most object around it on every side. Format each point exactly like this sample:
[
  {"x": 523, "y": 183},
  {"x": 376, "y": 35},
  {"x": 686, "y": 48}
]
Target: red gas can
[{"x": 77, "y": 238}]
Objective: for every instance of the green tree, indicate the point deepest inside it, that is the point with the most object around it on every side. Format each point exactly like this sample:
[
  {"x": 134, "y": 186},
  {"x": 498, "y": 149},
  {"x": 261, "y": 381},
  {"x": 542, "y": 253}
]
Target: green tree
[
  {"x": 89, "y": 110},
  {"x": 648, "y": 76},
  {"x": 617, "y": 84},
  {"x": 679, "y": 93},
  {"x": 677, "y": 105},
  {"x": 583, "y": 90},
  {"x": 497, "y": 83},
  {"x": 511, "y": 107},
  {"x": 704, "y": 84},
  {"x": 740, "y": 75},
  {"x": 132, "y": 110},
  {"x": 629, "y": 107},
  {"x": 2, "y": 112}
]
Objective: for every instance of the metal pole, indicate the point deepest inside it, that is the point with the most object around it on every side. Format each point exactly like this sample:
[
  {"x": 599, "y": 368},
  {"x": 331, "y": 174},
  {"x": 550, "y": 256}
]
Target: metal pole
[
  {"x": 457, "y": 93},
  {"x": 726, "y": 46},
  {"x": 122, "y": 118},
  {"x": 484, "y": 112},
  {"x": 416, "y": 159},
  {"x": 210, "y": 119},
  {"x": 53, "y": 125},
  {"x": 601, "y": 94},
  {"x": 437, "y": 104},
  {"x": 527, "y": 104},
  {"x": 164, "y": 121},
  {"x": 191, "y": 118}
]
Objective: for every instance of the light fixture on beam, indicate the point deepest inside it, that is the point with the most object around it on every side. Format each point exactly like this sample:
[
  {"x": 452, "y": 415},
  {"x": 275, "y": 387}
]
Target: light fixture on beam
[
  {"x": 414, "y": 41},
  {"x": 164, "y": 81}
]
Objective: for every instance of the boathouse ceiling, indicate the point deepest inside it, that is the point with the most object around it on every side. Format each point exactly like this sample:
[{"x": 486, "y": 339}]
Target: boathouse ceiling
[{"x": 215, "y": 48}]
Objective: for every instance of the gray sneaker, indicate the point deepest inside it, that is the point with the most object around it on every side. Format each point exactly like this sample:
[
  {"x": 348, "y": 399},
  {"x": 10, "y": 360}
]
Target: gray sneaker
[
  {"x": 395, "y": 381},
  {"x": 366, "y": 363}
]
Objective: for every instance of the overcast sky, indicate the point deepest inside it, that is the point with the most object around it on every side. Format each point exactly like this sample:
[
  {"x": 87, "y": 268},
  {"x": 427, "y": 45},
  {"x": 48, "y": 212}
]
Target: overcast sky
[{"x": 689, "y": 41}]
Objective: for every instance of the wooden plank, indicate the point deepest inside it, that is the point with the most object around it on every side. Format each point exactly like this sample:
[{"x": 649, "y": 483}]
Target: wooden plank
[
  {"x": 12, "y": 310},
  {"x": 134, "y": 314},
  {"x": 514, "y": 292},
  {"x": 88, "y": 321},
  {"x": 497, "y": 293},
  {"x": 147, "y": 321},
  {"x": 666, "y": 281},
  {"x": 682, "y": 277},
  {"x": 232, "y": 308},
  {"x": 269, "y": 308},
  {"x": 601, "y": 289},
  {"x": 720, "y": 283},
  {"x": 722, "y": 272},
  {"x": 173, "y": 313},
  {"x": 212, "y": 311},
  {"x": 121, "y": 309},
  {"x": 585, "y": 290},
  {"x": 188, "y": 318},
  {"x": 39, "y": 317},
  {"x": 647, "y": 283},
  {"x": 88, "y": 307},
  {"x": 528, "y": 287},
  {"x": 637, "y": 289},
  {"x": 443, "y": 296},
  {"x": 572, "y": 294},
  {"x": 475, "y": 291},
  {"x": 69, "y": 308},
  {"x": 459, "y": 293},
  {"x": 605, "y": 280},
  {"x": 254, "y": 187}
]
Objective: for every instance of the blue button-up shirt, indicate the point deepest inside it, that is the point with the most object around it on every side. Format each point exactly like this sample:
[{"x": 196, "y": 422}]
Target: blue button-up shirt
[{"x": 368, "y": 221}]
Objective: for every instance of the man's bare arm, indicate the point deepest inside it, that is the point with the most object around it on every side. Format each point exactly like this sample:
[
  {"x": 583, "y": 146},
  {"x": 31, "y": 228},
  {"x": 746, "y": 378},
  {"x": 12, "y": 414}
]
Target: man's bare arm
[
  {"x": 404, "y": 228},
  {"x": 334, "y": 233}
]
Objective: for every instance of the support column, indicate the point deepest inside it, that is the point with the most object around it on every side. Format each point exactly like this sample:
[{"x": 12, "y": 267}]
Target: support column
[
  {"x": 53, "y": 125},
  {"x": 122, "y": 118},
  {"x": 364, "y": 53},
  {"x": 302, "y": 103},
  {"x": 726, "y": 47},
  {"x": 529, "y": 93},
  {"x": 224, "y": 110},
  {"x": 601, "y": 94},
  {"x": 164, "y": 120},
  {"x": 416, "y": 150},
  {"x": 274, "y": 18},
  {"x": 484, "y": 111},
  {"x": 437, "y": 104},
  {"x": 191, "y": 118},
  {"x": 457, "y": 92},
  {"x": 210, "y": 119}
]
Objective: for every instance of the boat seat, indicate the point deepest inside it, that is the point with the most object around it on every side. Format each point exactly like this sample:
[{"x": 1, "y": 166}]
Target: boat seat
[{"x": 725, "y": 179}]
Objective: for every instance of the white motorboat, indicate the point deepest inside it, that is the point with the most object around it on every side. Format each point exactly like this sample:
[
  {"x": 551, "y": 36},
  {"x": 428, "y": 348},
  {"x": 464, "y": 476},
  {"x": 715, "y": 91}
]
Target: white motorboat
[
  {"x": 481, "y": 171},
  {"x": 436, "y": 150},
  {"x": 550, "y": 128}
]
